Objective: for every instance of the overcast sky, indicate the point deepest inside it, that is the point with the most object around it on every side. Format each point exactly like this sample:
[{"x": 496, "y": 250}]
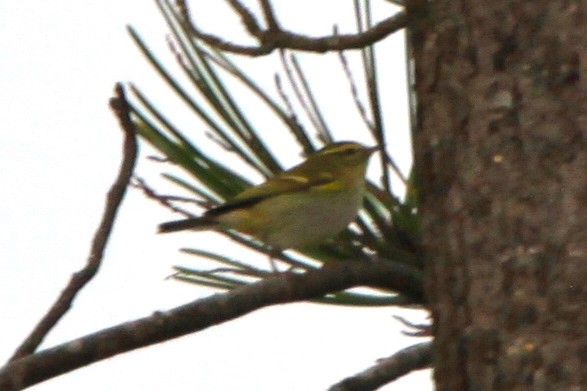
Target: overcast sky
[{"x": 60, "y": 150}]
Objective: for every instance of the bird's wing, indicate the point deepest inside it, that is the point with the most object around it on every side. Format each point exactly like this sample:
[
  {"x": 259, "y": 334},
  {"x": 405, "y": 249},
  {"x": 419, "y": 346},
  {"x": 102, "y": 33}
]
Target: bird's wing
[{"x": 285, "y": 183}]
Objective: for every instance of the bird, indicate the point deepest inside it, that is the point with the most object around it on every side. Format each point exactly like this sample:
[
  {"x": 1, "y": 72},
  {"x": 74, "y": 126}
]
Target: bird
[{"x": 296, "y": 208}]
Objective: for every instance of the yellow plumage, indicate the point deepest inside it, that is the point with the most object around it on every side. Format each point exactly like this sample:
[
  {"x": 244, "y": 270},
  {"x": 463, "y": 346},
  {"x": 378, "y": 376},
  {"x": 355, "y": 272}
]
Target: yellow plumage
[{"x": 299, "y": 207}]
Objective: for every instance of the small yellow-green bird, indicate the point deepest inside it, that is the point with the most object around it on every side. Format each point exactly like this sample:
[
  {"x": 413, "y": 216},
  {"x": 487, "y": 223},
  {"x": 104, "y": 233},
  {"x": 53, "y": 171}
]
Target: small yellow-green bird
[{"x": 297, "y": 208}]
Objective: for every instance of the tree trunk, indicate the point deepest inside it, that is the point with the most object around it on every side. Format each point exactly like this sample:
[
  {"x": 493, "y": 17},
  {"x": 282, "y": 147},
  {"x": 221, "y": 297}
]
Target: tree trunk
[{"x": 500, "y": 147}]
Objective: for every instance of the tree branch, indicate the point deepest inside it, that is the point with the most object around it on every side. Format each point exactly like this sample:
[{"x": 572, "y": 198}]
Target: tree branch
[
  {"x": 386, "y": 370},
  {"x": 274, "y": 37},
  {"x": 203, "y": 313},
  {"x": 247, "y": 17},
  {"x": 78, "y": 280},
  {"x": 269, "y": 14}
]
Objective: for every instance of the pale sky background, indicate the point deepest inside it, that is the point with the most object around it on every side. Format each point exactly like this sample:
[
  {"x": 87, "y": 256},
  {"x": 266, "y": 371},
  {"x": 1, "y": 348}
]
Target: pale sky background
[{"x": 59, "y": 153}]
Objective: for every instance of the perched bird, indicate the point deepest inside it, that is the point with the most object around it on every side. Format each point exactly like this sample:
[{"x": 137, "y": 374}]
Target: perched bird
[{"x": 297, "y": 208}]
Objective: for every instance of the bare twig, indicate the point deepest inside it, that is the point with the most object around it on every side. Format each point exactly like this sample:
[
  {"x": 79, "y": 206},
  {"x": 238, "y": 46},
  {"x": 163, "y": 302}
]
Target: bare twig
[
  {"x": 386, "y": 370},
  {"x": 364, "y": 23},
  {"x": 304, "y": 96},
  {"x": 276, "y": 38},
  {"x": 203, "y": 313},
  {"x": 296, "y": 89},
  {"x": 292, "y": 118},
  {"x": 284, "y": 98},
  {"x": 166, "y": 201},
  {"x": 270, "y": 18},
  {"x": 354, "y": 91},
  {"x": 323, "y": 132},
  {"x": 247, "y": 18},
  {"x": 78, "y": 280}
]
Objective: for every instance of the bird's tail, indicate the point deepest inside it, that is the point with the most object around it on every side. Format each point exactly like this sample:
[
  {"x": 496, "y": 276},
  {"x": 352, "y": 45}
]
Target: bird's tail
[{"x": 196, "y": 223}]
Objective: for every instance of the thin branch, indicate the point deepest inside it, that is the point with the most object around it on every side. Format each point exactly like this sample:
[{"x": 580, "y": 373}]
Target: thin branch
[
  {"x": 247, "y": 18},
  {"x": 323, "y": 132},
  {"x": 304, "y": 96},
  {"x": 355, "y": 91},
  {"x": 270, "y": 18},
  {"x": 283, "y": 96},
  {"x": 370, "y": 67},
  {"x": 386, "y": 370},
  {"x": 166, "y": 201},
  {"x": 275, "y": 38},
  {"x": 114, "y": 198},
  {"x": 206, "y": 312}
]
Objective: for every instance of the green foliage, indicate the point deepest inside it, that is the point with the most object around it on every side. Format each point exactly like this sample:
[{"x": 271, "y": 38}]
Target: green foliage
[{"x": 386, "y": 231}]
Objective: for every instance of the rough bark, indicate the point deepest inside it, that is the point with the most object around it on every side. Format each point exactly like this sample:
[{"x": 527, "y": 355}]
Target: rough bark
[{"x": 501, "y": 153}]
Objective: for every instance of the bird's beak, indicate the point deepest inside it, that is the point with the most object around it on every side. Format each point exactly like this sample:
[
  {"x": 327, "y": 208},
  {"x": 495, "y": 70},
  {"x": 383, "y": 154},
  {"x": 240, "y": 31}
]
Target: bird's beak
[{"x": 372, "y": 150}]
